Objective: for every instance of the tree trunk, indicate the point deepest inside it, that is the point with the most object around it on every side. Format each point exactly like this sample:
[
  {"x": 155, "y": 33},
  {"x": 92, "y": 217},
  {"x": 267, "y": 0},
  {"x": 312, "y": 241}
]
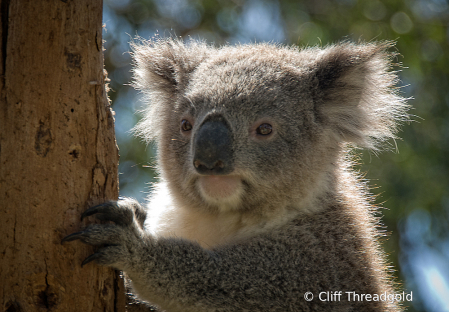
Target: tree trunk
[{"x": 57, "y": 155}]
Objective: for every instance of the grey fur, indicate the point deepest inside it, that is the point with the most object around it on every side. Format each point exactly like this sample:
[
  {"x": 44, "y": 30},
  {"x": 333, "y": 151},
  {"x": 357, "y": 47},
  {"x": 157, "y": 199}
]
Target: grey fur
[{"x": 298, "y": 218}]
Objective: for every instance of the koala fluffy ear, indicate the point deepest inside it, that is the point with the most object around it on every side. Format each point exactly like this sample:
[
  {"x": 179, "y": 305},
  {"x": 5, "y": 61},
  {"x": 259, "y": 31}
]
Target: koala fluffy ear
[
  {"x": 161, "y": 72},
  {"x": 165, "y": 63},
  {"x": 356, "y": 93}
]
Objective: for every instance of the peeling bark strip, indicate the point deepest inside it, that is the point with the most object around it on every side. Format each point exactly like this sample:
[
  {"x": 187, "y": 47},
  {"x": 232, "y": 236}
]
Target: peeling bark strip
[{"x": 57, "y": 155}]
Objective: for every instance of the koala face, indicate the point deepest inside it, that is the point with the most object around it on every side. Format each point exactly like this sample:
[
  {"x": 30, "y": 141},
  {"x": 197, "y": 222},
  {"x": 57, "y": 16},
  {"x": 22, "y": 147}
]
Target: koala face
[
  {"x": 253, "y": 128},
  {"x": 244, "y": 135}
]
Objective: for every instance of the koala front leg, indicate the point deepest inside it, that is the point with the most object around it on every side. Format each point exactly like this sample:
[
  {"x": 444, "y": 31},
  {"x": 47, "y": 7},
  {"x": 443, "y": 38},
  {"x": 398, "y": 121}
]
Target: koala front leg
[
  {"x": 177, "y": 274},
  {"x": 161, "y": 270}
]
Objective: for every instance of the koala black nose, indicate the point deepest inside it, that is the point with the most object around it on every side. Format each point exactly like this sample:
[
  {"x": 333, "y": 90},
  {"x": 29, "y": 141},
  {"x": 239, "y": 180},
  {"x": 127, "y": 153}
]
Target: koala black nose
[{"x": 213, "y": 154}]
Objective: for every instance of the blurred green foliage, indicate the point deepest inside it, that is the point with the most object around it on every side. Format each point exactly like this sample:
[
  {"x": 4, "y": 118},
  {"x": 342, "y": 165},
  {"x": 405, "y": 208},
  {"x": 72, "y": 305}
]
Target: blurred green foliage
[{"x": 412, "y": 181}]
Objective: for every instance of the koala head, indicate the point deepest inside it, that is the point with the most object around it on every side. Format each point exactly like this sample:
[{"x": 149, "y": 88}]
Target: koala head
[{"x": 257, "y": 127}]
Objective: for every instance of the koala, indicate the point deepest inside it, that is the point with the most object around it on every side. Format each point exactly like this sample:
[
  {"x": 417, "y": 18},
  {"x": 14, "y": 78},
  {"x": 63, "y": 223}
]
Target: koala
[{"x": 258, "y": 207}]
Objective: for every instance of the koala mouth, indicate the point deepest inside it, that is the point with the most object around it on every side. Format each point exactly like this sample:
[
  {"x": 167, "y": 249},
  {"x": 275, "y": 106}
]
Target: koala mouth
[{"x": 218, "y": 188}]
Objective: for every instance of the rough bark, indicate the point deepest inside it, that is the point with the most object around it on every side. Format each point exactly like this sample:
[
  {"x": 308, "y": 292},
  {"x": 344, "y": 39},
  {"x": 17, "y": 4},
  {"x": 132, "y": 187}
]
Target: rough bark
[{"x": 57, "y": 155}]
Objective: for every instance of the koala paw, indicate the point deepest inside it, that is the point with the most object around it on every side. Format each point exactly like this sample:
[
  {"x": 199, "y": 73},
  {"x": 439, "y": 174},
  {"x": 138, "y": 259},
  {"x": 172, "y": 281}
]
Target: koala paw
[{"x": 119, "y": 242}]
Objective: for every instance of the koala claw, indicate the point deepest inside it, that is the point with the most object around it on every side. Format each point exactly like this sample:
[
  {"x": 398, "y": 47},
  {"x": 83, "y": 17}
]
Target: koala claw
[
  {"x": 109, "y": 211},
  {"x": 91, "y": 258},
  {"x": 72, "y": 237},
  {"x": 101, "y": 257},
  {"x": 120, "y": 212}
]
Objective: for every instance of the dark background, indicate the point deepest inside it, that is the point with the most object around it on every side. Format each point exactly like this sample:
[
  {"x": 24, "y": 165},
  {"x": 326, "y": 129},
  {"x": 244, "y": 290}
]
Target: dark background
[{"x": 412, "y": 181}]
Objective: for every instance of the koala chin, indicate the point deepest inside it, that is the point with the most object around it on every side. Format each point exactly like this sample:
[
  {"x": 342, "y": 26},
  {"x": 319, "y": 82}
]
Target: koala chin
[
  {"x": 258, "y": 207},
  {"x": 220, "y": 190}
]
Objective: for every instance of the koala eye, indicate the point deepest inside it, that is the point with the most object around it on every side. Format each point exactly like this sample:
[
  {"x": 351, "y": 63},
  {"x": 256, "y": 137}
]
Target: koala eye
[
  {"x": 186, "y": 125},
  {"x": 264, "y": 129}
]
